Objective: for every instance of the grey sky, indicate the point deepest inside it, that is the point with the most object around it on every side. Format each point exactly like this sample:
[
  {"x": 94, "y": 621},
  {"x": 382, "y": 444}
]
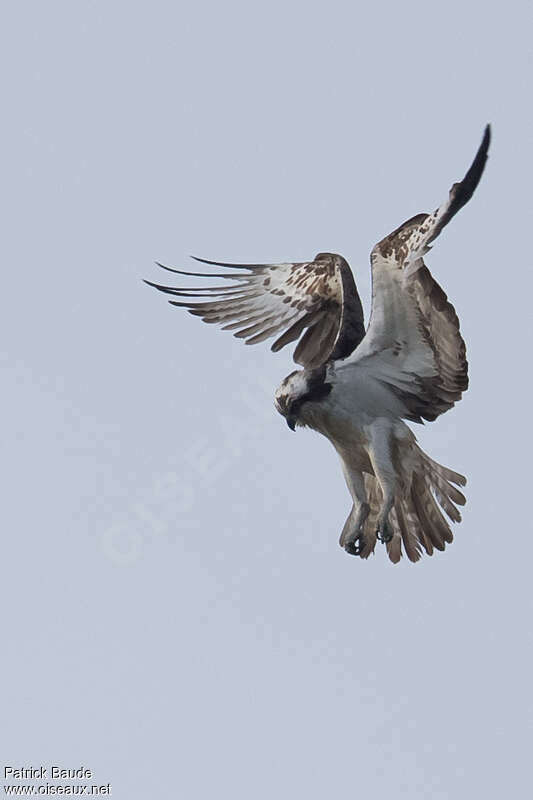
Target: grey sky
[{"x": 177, "y": 614}]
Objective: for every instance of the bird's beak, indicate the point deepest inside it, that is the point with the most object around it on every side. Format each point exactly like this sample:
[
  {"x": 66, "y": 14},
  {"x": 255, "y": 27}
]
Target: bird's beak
[{"x": 291, "y": 422}]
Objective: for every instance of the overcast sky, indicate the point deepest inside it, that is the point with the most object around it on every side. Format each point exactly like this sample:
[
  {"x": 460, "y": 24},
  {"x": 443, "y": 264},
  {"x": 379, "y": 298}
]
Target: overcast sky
[{"x": 177, "y": 614}]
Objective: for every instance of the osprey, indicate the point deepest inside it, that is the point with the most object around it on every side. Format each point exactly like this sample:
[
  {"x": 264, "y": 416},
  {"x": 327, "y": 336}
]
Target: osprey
[{"x": 357, "y": 387}]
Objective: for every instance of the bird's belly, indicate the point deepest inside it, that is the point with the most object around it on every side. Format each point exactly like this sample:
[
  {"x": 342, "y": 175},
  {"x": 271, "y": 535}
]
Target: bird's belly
[{"x": 344, "y": 428}]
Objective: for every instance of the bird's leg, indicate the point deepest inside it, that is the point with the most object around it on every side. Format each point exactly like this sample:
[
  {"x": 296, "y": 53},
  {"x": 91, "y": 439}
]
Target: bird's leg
[
  {"x": 352, "y": 533},
  {"x": 381, "y": 458},
  {"x": 384, "y": 530}
]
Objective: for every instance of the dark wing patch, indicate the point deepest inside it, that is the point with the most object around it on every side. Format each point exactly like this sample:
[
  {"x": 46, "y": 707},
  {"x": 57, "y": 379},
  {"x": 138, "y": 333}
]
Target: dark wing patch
[{"x": 318, "y": 297}]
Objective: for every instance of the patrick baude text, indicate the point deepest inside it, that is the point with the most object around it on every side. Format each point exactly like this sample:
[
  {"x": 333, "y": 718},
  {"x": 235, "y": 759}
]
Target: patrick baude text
[{"x": 60, "y": 773}]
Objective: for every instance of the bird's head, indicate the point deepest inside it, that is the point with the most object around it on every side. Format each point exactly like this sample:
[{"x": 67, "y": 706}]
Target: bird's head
[{"x": 300, "y": 387}]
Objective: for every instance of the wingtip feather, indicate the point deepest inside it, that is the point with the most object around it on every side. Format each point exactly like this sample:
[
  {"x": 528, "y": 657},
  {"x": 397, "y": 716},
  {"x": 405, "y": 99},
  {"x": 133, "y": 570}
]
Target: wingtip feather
[{"x": 228, "y": 265}]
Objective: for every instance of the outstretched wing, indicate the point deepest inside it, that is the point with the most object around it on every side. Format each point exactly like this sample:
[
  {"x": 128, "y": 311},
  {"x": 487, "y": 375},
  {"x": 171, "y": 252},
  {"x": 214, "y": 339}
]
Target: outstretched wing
[
  {"x": 413, "y": 344},
  {"x": 264, "y": 300}
]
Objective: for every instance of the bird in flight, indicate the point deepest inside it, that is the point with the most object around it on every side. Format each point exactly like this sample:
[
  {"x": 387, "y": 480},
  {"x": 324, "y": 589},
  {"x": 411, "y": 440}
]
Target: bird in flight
[{"x": 357, "y": 387}]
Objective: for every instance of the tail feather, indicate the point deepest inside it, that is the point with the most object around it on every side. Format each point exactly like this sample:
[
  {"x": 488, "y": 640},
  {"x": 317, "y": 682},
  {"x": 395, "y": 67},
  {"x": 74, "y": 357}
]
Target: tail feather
[
  {"x": 445, "y": 472},
  {"x": 435, "y": 526},
  {"x": 409, "y": 529},
  {"x": 434, "y": 531},
  {"x": 440, "y": 480},
  {"x": 416, "y": 519},
  {"x": 453, "y": 513},
  {"x": 394, "y": 547},
  {"x": 430, "y": 487}
]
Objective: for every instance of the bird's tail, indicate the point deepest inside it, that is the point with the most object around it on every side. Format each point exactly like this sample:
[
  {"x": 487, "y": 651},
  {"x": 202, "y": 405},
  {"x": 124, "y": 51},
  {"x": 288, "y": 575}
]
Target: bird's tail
[{"x": 416, "y": 517}]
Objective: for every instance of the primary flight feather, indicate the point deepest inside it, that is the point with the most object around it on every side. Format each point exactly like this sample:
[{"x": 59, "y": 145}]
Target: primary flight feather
[{"x": 357, "y": 387}]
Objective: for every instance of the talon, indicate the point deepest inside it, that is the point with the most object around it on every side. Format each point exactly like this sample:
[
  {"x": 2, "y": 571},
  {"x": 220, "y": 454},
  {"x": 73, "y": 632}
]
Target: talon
[
  {"x": 355, "y": 547},
  {"x": 385, "y": 534}
]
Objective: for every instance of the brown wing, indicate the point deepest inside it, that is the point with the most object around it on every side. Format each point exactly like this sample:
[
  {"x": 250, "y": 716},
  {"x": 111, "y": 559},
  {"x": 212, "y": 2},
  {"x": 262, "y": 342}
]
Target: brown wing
[{"x": 284, "y": 300}]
